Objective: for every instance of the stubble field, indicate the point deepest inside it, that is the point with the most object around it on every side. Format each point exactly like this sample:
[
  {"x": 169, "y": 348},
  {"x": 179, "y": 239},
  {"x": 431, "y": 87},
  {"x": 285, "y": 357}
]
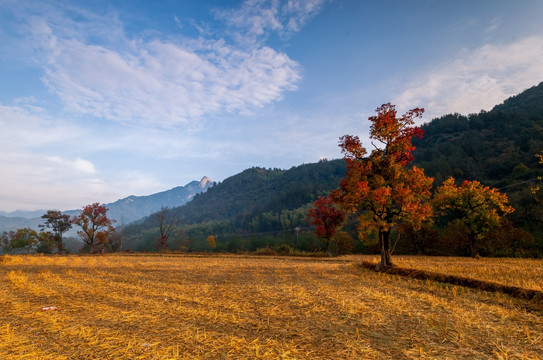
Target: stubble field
[{"x": 232, "y": 307}]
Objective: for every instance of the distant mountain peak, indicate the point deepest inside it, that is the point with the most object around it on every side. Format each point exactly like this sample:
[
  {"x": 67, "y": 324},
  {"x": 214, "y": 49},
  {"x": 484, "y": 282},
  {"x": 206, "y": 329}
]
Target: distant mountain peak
[{"x": 205, "y": 182}]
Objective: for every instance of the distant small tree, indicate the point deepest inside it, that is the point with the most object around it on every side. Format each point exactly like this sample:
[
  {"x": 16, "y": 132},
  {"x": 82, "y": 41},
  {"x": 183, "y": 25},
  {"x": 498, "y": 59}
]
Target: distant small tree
[
  {"x": 25, "y": 238},
  {"x": 211, "y": 242},
  {"x": 46, "y": 242},
  {"x": 477, "y": 207},
  {"x": 96, "y": 227},
  {"x": 165, "y": 227},
  {"x": 59, "y": 223},
  {"x": 5, "y": 241},
  {"x": 327, "y": 218}
]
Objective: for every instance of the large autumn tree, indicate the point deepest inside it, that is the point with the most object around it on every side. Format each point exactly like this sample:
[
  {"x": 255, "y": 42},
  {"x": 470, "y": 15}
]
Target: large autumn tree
[
  {"x": 477, "y": 207},
  {"x": 327, "y": 218},
  {"x": 96, "y": 227},
  {"x": 59, "y": 223},
  {"x": 379, "y": 188}
]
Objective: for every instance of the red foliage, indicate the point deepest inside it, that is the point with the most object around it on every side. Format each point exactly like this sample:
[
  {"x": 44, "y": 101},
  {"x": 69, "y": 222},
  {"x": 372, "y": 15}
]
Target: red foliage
[
  {"x": 326, "y": 217},
  {"x": 96, "y": 227},
  {"x": 378, "y": 187}
]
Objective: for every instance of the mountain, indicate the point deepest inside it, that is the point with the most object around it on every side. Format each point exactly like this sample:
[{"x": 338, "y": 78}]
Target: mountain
[
  {"x": 23, "y": 214},
  {"x": 125, "y": 210},
  {"x": 136, "y": 207},
  {"x": 257, "y": 200},
  {"x": 258, "y": 190},
  {"x": 17, "y": 222},
  {"x": 497, "y": 147}
]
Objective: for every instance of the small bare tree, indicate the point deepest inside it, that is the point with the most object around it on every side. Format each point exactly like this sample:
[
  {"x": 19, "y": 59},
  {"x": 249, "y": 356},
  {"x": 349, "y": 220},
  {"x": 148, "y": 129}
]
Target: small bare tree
[{"x": 165, "y": 226}]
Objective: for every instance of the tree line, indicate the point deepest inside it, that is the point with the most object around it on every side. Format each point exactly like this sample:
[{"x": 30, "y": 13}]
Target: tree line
[
  {"x": 95, "y": 230},
  {"x": 384, "y": 195}
]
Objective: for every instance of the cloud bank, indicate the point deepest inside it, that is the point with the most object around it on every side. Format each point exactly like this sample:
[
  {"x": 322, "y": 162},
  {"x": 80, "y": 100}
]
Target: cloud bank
[{"x": 477, "y": 80}]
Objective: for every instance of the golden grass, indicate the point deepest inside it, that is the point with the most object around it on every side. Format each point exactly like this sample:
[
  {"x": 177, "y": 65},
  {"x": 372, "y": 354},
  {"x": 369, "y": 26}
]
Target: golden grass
[
  {"x": 180, "y": 307},
  {"x": 524, "y": 273}
]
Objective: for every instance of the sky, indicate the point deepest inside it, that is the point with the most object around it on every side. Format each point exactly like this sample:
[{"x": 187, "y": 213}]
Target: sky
[{"x": 100, "y": 100}]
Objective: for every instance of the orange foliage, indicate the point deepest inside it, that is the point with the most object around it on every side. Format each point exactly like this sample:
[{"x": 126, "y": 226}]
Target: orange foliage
[{"x": 379, "y": 188}]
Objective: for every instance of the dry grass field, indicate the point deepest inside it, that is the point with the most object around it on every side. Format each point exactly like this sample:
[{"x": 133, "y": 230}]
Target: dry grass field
[
  {"x": 524, "y": 273},
  {"x": 231, "y": 307}
]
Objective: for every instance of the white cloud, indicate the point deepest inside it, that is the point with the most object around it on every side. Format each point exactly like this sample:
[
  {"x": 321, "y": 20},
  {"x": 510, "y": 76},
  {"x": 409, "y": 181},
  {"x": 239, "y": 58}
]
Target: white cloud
[
  {"x": 477, "y": 80},
  {"x": 37, "y": 181},
  {"x": 158, "y": 81},
  {"x": 259, "y": 17},
  {"x": 84, "y": 166}
]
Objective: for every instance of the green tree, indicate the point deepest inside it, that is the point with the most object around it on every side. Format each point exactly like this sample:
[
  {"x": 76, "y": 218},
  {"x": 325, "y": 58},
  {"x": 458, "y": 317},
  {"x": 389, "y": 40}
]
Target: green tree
[
  {"x": 477, "y": 207},
  {"x": 46, "y": 242},
  {"x": 5, "y": 241},
  {"x": 24, "y": 238},
  {"x": 59, "y": 223},
  {"x": 536, "y": 188}
]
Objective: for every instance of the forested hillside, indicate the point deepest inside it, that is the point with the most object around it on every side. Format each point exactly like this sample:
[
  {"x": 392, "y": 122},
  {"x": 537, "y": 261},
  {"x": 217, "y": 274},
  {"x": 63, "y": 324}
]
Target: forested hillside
[
  {"x": 256, "y": 201},
  {"x": 497, "y": 147}
]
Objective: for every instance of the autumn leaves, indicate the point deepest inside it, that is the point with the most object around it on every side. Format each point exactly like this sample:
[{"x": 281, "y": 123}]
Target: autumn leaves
[{"x": 382, "y": 192}]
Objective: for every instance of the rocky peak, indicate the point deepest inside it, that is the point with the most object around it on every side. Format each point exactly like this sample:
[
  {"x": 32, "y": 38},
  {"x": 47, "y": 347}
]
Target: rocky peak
[{"x": 205, "y": 182}]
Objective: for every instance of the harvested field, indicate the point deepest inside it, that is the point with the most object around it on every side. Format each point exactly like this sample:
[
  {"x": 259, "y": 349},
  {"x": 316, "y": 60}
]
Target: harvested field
[
  {"x": 524, "y": 273},
  {"x": 181, "y": 307}
]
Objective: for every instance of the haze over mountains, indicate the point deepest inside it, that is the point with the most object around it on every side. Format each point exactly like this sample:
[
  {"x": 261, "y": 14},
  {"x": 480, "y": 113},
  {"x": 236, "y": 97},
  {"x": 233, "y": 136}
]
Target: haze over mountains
[{"x": 125, "y": 210}]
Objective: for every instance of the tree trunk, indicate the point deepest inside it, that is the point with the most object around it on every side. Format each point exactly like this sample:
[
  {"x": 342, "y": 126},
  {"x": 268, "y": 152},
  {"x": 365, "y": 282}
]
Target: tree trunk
[
  {"x": 328, "y": 250},
  {"x": 384, "y": 244},
  {"x": 473, "y": 248},
  {"x": 59, "y": 244}
]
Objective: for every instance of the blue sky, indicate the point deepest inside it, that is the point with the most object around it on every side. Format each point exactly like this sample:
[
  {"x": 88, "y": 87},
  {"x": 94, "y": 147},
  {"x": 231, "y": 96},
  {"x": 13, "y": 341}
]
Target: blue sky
[{"x": 100, "y": 100}]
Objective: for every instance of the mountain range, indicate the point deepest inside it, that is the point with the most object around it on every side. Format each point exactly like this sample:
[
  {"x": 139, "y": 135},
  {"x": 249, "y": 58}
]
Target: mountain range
[{"x": 124, "y": 211}]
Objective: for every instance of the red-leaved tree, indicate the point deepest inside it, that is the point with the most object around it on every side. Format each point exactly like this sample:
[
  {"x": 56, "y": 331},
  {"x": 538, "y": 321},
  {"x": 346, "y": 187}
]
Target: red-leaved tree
[
  {"x": 327, "y": 218},
  {"x": 379, "y": 189},
  {"x": 96, "y": 227}
]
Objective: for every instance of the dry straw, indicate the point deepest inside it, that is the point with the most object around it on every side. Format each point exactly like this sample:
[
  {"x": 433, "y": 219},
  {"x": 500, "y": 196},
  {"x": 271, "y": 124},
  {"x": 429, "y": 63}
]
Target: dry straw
[{"x": 176, "y": 307}]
